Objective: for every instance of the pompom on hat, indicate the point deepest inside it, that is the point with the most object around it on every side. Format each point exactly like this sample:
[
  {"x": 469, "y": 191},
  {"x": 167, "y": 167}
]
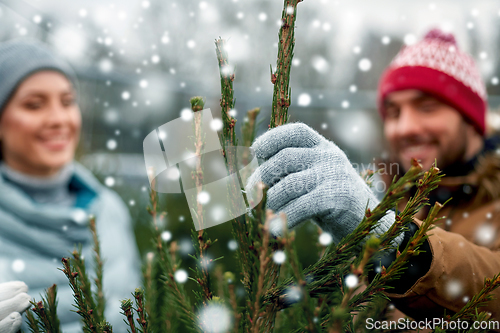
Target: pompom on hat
[
  {"x": 20, "y": 58},
  {"x": 437, "y": 66}
]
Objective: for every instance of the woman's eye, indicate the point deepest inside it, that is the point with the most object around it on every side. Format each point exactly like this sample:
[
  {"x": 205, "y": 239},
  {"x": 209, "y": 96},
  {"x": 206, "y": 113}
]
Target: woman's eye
[
  {"x": 68, "y": 101},
  {"x": 33, "y": 105}
]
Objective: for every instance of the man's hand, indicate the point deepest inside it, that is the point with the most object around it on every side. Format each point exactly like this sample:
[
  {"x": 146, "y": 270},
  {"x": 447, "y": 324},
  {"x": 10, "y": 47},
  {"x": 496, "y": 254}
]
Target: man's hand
[
  {"x": 310, "y": 177},
  {"x": 13, "y": 301}
]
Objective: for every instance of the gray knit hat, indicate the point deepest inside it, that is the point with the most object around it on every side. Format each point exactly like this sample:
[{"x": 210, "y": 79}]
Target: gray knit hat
[{"x": 20, "y": 58}]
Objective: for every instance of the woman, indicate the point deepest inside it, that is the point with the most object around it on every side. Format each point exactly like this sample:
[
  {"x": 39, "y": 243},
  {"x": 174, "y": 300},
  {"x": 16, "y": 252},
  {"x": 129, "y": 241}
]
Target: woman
[{"x": 46, "y": 197}]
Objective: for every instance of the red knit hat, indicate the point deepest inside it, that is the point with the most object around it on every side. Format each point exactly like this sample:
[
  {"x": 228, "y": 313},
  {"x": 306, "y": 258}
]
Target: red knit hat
[{"x": 436, "y": 66}]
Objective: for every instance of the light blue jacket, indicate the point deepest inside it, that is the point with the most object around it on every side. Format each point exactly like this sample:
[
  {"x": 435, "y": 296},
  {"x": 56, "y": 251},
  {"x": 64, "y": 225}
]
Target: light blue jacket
[{"x": 34, "y": 237}]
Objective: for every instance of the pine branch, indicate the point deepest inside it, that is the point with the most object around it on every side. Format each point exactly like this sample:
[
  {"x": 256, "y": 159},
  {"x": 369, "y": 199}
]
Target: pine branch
[
  {"x": 33, "y": 322},
  {"x": 139, "y": 308},
  {"x": 73, "y": 271},
  {"x": 468, "y": 312},
  {"x": 126, "y": 307},
  {"x": 99, "y": 296},
  {"x": 227, "y": 93},
  {"x": 201, "y": 238},
  {"x": 288, "y": 240},
  {"x": 281, "y": 78},
  {"x": 85, "y": 285},
  {"x": 326, "y": 274},
  {"x": 160, "y": 283},
  {"x": 249, "y": 127},
  {"x": 46, "y": 313}
]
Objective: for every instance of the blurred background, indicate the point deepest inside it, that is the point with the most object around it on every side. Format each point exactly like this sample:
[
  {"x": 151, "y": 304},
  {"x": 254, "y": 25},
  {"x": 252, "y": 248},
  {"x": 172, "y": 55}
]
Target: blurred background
[{"x": 139, "y": 62}]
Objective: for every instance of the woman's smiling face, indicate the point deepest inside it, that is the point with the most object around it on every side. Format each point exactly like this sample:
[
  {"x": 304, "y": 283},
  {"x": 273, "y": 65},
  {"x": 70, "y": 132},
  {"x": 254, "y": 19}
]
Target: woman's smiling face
[{"x": 40, "y": 125}]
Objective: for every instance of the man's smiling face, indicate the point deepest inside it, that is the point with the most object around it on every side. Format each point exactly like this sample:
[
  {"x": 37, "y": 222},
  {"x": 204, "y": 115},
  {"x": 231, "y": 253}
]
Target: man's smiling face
[{"x": 418, "y": 125}]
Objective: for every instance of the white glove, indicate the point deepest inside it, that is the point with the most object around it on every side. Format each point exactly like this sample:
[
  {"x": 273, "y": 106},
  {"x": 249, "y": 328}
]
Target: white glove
[{"x": 13, "y": 301}]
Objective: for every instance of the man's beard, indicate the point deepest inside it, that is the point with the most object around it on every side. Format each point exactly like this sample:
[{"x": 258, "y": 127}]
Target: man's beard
[{"x": 448, "y": 157}]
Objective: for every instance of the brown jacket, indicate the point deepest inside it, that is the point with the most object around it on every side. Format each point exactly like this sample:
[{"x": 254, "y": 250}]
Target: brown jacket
[{"x": 465, "y": 246}]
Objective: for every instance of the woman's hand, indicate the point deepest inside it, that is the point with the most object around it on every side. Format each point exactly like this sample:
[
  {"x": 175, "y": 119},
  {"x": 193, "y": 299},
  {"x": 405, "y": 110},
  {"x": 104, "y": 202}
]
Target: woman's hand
[{"x": 13, "y": 301}]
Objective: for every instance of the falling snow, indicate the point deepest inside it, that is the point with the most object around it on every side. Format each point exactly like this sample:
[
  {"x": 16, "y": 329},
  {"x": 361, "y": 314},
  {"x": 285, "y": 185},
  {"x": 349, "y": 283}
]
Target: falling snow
[
  {"x": 279, "y": 257},
  {"x": 485, "y": 234},
  {"x": 109, "y": 181},
  {"x": 215, "y": 318},
  {"x": 293, "y": 294},
  {"x": 125, "y": 95},
  {"x": 365, "y": 65},
  {"x": 166, "y": 236},
  {"x": 216, "y": 124},
  {"x": 454, "y": 288},
  {"x": 320, "y": 64},
  {"x": 304, "y": 99},
  {"x": 203, "y": 197},
  {"x": 351, "y": 281},
  {"x": 111, "y": 144},
  {"x": 325, "y": 239},
  {"x": 232, "y": 245},
  {"x": 187, "y": 114},
  {"x": 181, "y": 276},
  {"x": 18, "y": 266}
]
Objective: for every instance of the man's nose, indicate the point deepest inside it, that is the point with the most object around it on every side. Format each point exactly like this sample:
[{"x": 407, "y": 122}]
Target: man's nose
[{"x": 409, "y": 122}]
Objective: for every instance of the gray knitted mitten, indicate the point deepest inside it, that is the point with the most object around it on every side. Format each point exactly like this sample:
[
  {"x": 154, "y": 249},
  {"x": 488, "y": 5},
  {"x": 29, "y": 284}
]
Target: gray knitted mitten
[{"x": 309, "y": 177}]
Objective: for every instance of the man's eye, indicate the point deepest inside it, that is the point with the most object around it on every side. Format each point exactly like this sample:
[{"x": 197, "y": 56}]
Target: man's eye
[
  {"x": 391, "y": 113},
  {"x": 428, "y": 107}
]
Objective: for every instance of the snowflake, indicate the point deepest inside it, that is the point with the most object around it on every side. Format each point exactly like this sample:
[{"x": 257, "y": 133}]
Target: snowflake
[
  {"x": 203, "y": 197},
  {"x": 125, "y": 95},
  {"x": 485, "y": 234},
  {"x": 111, "y": 144},
  {"x": 215, "y": 318},
  {"x": 320, "y": 64},
  {"x": 454, "y": 288},
  {"x": 109, "y": 181},
  {"x": 365, "y": 65},
  {"x": 232, "y": 245},
  {"x": 410, "y": 39},
  {"x": 181, "y": 276},
  {"x": 325, "y": 238},
  {"x": 186, "y": 114},
  {"x": 351, "y": 281},
  {"x": 279, "y": 257},
  {"x": 166, "y": 236},
  {"x": 304, "y": 99},
  {"x": 18, "y": 266}
]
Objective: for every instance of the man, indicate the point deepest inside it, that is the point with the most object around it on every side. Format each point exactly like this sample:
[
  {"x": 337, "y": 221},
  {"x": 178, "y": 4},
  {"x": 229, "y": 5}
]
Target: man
[{"x": 433, "y": 103}]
